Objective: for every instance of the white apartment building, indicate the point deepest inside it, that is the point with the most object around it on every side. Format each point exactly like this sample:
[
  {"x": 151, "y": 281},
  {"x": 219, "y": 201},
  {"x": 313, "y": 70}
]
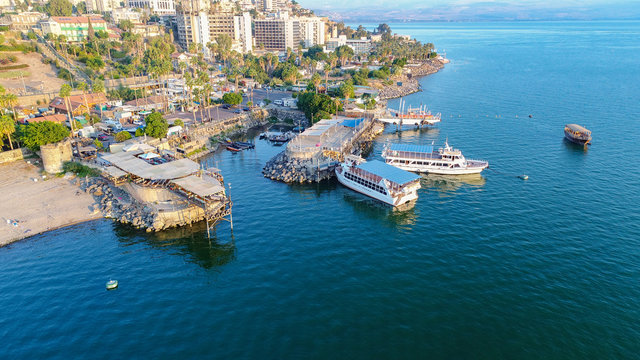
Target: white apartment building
[
  {"x": 279, "y": 32},
  {"x": 126, "y": 14},
  {"x": 359, "y": 46},
  {"x": 312, "y": 31},
  {"x": 157, "y": 7},
  {"x": 242, "y": 34},
  {"x": 100, "y": 6}
]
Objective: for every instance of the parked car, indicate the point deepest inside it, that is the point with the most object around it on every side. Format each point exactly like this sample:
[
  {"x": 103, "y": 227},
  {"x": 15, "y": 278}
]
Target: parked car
[
  {"x": 237, "y": 111},
  {"x": 103, "y": 137}
]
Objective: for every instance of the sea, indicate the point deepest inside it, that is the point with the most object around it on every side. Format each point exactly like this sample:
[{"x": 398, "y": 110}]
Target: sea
[{"x": 485, "y": 267}]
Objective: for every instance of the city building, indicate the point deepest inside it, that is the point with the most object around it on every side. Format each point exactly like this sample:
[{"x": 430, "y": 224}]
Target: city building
[
  {"x": 275, "y": 32},
  {"x": 74, "y": 28},
  {"x": 312, "y": 30},
  {"x": 359, "y": 46},
  {"x": 157, "y": 7},
  {"x": 192, "y": 20},
  {"x": 242, "y": 34},
  {"x": 23, "y": 21},
  {"x": 100, "y": 6},
  {"x": 126, "y": 14},
  {"x": 335, "y": 42}
]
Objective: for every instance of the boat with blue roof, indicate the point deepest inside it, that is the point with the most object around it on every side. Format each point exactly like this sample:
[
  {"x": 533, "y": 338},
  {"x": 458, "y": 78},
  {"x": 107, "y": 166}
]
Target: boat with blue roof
[
  {"x": 378, "y": 180},
  {"x": 424, "y": 159}
]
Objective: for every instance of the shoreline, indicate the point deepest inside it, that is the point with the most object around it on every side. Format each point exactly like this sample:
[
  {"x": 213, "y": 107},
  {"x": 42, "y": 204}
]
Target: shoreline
[
  {"x": 411, "y": 85},
  {"x": 45, "y": 204}
]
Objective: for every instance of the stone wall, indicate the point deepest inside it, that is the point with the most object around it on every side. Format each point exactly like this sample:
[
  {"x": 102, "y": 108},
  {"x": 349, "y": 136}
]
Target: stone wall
[
  {"x": 55, "y": 155},
  {"x": 14, "y": 155}
]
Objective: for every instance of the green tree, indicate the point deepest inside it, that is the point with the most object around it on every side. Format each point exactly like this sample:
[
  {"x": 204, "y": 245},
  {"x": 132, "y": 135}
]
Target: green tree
[
  {"x": 7, "y": 127},
  {"x": 97, "y": 86},
  {"x": 156, "y": 125},
  {"x": 316, "y": 80},
  {"x": 139, "y": 132},
  {"x": 41, "y": 133},
  {"x": 122, "y": 136},
  {"x": 346, "y": 90},
  {"x": 178, "y": 122},
  {"x": 59, "y": 8},
  {"x": 316, "y": 106},
  {"x": 232, "y": 98}
]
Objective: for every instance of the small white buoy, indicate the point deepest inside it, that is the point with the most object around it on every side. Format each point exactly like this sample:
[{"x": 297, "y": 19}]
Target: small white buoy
[
  {"x": 524, "y": 177},
  {"x": 112, "y": 284}
]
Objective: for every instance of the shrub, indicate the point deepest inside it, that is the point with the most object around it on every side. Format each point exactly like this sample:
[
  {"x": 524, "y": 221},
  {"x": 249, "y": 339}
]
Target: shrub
[
  {"x": 35, "y": 135},
  {"x": 122, "y": 136},
  {"x": 79, "y": 169},
  {"x": 156, "y": 125}
]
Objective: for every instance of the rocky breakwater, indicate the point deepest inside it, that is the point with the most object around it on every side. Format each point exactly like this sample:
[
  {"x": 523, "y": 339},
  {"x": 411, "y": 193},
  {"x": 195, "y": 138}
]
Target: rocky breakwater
[
  {"x": 408, "y": 82},
  {"x": 293, "y": 170},
  {"x": 116, "y": 204}
]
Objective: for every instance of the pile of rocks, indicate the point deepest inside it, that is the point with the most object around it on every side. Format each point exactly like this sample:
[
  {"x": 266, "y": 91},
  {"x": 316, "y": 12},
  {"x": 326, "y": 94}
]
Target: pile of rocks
[
  {"x": 116, "y": 204},
  {"x": 292, "y": 170}
]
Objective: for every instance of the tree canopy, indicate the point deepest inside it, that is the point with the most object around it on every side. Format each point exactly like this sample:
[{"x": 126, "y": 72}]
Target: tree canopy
[
  {"x": 232, "y": 98},
  {"x": 317, "y": 106},
  {"x": 41, "y": 133},
  {"x": 59, "y": 8},
  {"x": 156, "y": 126},
  {"x": 122, "y": 136}
]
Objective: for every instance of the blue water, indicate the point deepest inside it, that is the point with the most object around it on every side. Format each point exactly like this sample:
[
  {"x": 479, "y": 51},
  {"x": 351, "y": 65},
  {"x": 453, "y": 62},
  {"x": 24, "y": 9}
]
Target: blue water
[{"x": 486, "y": 267}]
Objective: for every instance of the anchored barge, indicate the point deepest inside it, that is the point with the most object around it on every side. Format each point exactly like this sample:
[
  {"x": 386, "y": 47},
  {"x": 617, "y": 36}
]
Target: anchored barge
[
  {"x": 378, "y": 180},
  {"x": 424, "y": 159},
  {"x": 577, "y": 134}
]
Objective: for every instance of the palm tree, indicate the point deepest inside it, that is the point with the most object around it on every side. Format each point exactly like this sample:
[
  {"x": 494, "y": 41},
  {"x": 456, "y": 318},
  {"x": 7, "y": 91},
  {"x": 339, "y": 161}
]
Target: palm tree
[
  {"x": 7, "y": 127},
  {"x": 316, "y": 80},
  {"x": 11, "y": 100},
  {"x": 327, "y": 68},
  {"x": 65, "y": 91}
]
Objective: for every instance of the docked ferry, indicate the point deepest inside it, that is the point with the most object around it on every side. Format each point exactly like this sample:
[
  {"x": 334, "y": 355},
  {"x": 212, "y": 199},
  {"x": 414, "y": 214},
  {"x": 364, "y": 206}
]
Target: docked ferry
[
  {"x": 412, "y": 116},
  {"x": 577, "y": 134},
  {"x": 424, "y": 159},
  {"x": 378, "y": 180}
]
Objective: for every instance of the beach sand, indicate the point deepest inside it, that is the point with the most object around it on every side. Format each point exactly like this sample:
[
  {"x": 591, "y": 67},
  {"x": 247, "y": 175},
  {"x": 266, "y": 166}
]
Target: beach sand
[{"x": 38, "y": 206}]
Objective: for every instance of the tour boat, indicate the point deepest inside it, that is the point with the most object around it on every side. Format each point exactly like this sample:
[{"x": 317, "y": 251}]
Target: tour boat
[
  {"x": 424, "y": 159},
  {"x": 577, "y": 134},
  {"x": 378, "y": 180},
  {"x": 233, "y": 148},
  {"x": 413, "y": 116}
]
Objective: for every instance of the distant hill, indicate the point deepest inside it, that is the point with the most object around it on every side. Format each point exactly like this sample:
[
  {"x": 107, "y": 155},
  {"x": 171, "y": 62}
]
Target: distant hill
[{"x": 480, "y": 11}]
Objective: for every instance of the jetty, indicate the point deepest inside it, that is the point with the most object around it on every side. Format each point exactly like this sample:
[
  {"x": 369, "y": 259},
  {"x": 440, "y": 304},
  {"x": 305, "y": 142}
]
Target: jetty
[{"x": 313, "y": 155}]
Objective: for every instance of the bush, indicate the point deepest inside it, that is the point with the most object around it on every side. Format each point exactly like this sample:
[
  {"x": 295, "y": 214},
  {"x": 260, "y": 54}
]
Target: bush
[
  {"x": 79, "y": 169},
  {"x": 35, "y": 135},
  {"x": 156, "y": 125},
  {"x": 98, "y": 144},
  {"x": 122, "y": 136},
  {"x": 232, "y": 98},
  {"x": 139, "y": 132},
  {"x": 178, "y": 122}
]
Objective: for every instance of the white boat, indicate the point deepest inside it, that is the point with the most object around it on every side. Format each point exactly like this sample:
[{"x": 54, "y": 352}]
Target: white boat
[
  {"x": 378, "y": 180},
  {"x": 412, "y": 116},
  {"x": 423, "y": 159}
]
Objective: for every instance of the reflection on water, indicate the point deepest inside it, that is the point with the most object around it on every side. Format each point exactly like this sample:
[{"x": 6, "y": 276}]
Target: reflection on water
[
  {"x": 377, "y": 210},
  {"x": 191, "y": 242},
  {"x": 448, "y": 184},
  {"x": 573, "y": 147}
]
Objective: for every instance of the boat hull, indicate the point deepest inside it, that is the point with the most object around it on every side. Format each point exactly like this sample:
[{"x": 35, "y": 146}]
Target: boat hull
[
  {"x": 376, "y": 195},
  {"x": 441, "y": 170},
  {"x": 410, "y": 122},
  {"x": 575, "y": 140}
]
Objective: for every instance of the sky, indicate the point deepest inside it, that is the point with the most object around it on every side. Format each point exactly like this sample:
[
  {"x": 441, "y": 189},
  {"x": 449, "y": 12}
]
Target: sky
[{"x": 460, "y": 10}]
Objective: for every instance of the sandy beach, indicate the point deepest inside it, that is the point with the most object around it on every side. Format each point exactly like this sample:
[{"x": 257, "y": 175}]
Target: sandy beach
[{"x": 30, "y": 207}]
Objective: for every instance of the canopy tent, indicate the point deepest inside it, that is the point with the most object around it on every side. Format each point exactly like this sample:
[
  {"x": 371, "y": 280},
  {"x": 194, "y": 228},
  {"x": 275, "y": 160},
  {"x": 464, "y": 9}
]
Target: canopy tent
[{"x": 149, "y": 156}]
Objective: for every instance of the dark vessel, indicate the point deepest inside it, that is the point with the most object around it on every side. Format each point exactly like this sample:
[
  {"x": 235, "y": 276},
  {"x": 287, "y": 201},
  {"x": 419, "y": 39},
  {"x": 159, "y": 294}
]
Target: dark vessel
[{"x": 577, "y": 134}]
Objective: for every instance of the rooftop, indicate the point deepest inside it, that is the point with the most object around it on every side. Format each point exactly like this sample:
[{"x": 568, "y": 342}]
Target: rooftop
[
  {"x": 129, "y": 162},
  {"x": 388, "y": 172},
  {"x": 425, "y": 149}
]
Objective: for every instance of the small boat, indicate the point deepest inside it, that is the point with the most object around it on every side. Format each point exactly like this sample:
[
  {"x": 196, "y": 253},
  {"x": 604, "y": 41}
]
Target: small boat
[
  {"x": 246, "y": 145},
  {"x": 577, "y": 134},
  {"x": 524, "y": 177},
  {"x": 378, "y": 180},
  {"x": 262, "y": 136},
  {"x": 424, "y": 159},
  {"x": 233, "y": 149},
  {"x": 112, "y": 284}
]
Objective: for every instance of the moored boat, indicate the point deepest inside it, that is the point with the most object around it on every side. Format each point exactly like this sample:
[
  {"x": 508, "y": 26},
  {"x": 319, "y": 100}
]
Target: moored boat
[
  {"x": 424, "y": 159},
  {"x": 412, "y": 116},
  {"x": 378, "y": 180},
  {"x": 233, "y": 148},
  {"x": 577, "y": 134}
]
